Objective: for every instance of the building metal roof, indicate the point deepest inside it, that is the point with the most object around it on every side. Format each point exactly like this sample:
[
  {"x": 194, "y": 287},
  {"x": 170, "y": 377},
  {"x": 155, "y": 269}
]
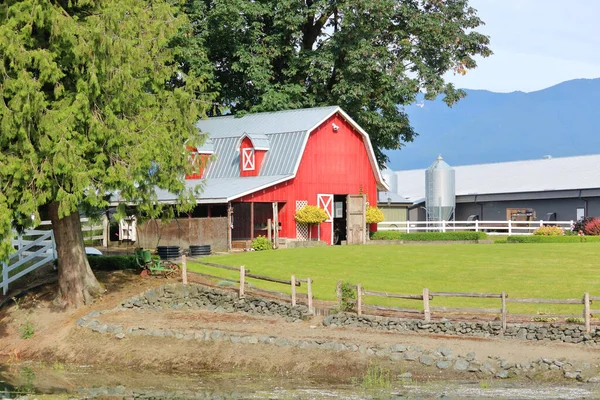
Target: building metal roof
[
  {"x": 223, "y": 190},
  {"x": 392, "y": 198},
  {"x": 541, "y": 175},
  {"x": 259, "y": 141}
]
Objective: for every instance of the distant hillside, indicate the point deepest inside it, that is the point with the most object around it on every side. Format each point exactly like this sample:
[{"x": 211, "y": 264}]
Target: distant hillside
[{"x": 485, "y": 127}]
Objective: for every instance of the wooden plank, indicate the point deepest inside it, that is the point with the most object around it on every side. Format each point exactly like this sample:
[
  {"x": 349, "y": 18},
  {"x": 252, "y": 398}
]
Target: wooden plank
[
  {"x": 473, "y": 310},
  {"x": 404, "y": 310},
  {"x": 465, "y": 294},
  {"x": 426, "y": 309},
  {"x": 293, "y": 284},
  {"x": 595, "y": 312},
  {"x": 547, "y": 315},
  {"x": 338, "y": 293},
  {"x": 269, "y": 279},
  {"x": 184, "y": 279},
  {"x": 227, "y": 267},
  {"x": 395, "y": 295},
  {"x": 309, "y": 295},
  {"x": 594, "y": 298},
  {"x": 242, "y": 281},
  {"x": 216, "y": 277},
  {"x": 546, "y": 301},
  {"x": 358, "y": 299},
  {"x": 586, "y": 311},
  {"x": 504, "y": 311}
]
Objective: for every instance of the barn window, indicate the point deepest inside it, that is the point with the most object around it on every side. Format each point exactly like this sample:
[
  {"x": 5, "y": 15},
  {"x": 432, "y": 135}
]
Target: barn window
[{"x": 248, "y": 159}]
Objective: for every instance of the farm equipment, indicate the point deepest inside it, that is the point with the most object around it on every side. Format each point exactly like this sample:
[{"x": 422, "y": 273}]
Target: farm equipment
[{"x": 153, "y": 265}]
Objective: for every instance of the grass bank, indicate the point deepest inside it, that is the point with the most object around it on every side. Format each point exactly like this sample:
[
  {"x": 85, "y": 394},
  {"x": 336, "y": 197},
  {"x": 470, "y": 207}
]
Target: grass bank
[{"x": 540, "y": 270}]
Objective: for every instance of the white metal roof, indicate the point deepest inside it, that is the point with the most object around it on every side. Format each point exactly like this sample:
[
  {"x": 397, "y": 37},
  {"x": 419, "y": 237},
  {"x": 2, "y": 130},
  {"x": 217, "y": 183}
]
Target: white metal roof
[{"x": 541, "y": 175}]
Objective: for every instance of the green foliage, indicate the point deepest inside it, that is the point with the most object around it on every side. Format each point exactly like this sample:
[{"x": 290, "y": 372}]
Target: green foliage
[
  {"x": 374, "y": 215},
  {"x": 310, "y": 215},
  {"x": 579, "y": 226},
  {"x": 262, "y": 243},
  {"x": 376, "y": 377},
  {"x": 428, "y": 236},
  {"x": 552, "y": 239},
  {"x": 348, "y": 297},
  {"x": 27, "y": 330},
  {"x": 574, "y": 320},
  {"x": 112, "y": 263},
  {"x": 592, "y": 227},
  {"x": 366, "y": 56},
  {"x": 544, "y": 319},
  {"x": 88, "y": 108},
  {"x": 549, "y": 231}
]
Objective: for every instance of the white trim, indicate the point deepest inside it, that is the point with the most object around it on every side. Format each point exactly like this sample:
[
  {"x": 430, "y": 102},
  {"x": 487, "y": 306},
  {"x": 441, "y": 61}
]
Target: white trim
[
  {"x": 378, "y": 176},
  {"x": 248, "y": 160},
  {"x": 248, "y": 135},
  {"x": 256, "y": 189},
  {"x": 327, "y": 205}
]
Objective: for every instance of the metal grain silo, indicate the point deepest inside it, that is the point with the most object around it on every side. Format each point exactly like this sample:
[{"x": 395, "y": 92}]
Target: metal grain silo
[{"x": 440, "y": 194}]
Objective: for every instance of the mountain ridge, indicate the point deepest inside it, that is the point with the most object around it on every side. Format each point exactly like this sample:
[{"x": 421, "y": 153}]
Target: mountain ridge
[{"x": 484, "y": 127}]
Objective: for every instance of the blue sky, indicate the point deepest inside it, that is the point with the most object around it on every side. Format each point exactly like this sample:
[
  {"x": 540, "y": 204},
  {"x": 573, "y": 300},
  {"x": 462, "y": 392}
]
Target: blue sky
[{"x": 536, "y": 44}]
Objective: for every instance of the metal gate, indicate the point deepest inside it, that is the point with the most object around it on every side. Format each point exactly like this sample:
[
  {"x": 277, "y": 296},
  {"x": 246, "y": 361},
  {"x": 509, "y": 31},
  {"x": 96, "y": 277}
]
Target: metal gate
[{"x": 356, "y": 218}]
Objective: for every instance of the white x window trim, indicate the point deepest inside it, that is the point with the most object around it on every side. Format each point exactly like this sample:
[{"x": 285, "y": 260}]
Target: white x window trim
[{"x": 248, "y": 159}]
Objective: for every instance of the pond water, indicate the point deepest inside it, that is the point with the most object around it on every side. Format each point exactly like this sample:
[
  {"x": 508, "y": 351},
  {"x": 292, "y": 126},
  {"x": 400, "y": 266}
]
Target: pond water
[{"x": 68, "y": 382}]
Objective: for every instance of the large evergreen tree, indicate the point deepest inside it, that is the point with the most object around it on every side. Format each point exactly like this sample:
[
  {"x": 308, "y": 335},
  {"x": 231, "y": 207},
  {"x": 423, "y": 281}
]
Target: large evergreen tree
[
  {"x": 92, "y": 101},
  {"x": 370, "y": 57}
]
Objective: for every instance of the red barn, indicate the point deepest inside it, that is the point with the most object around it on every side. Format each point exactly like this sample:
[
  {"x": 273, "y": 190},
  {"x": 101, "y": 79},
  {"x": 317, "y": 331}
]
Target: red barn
[{"x": 265, "y": 166}]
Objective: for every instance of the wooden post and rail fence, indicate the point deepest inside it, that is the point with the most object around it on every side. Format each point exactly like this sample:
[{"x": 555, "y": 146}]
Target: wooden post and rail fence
[
  {"x": 426, "y": 297},
  {"x": 294, "y": 282}
]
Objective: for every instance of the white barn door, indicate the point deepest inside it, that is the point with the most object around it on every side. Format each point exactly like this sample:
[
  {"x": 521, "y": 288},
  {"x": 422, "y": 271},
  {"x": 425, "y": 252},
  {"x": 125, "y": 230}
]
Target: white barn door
[{"x": 325, "y": 201}]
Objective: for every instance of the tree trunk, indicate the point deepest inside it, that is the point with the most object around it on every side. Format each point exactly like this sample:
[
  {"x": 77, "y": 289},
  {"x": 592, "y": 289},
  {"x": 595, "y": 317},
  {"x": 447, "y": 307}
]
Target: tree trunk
[{"x": 77, "y": 284}]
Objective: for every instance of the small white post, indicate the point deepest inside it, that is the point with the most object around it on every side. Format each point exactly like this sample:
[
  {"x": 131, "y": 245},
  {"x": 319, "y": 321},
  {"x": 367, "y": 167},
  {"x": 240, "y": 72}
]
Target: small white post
[
  {"x": 426, "y": 310},
  {"x": 509, "y": 227},
  {"x": 407, "y": 226},
  {"x": 476, "y": 226},
  {"x": 293, "y": 280},
  {"x": 586, "y": 311},
  {"x": 184, "y": 269},
  {"x": 242, "y": 281},
  {"x": 443, "y": 226},
  {"x": 310, "y": 295},
  {"x": 503, "y": 311}
]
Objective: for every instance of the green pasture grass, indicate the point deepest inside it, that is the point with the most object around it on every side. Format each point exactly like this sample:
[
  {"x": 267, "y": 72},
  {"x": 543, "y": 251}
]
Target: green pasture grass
[{"x": 540, "y": 270}]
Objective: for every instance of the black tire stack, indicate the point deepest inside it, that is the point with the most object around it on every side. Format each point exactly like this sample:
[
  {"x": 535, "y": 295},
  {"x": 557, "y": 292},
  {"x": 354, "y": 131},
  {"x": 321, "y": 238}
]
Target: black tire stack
[
  {"x": 199, "y": 250},
  {"x": 168, "y": 252}
]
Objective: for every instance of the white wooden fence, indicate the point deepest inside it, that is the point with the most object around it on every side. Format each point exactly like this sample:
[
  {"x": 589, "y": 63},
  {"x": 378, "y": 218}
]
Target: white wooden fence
[
  {"x": 34, "y": 249},
  {"x": 490, "y": 227}
]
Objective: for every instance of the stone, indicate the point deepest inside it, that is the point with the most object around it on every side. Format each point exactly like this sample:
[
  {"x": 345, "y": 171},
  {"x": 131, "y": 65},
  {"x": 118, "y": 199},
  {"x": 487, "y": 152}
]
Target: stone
[
  {"x": 444, "y": 351},
  {"x": 443, "y": 364},
  {"x": 572, "y": 375},
  {"x": 461, "y": 365},
  {"x": 522, "y": 334},
  {"x": 411, "y": 355},
  {"x": 594, "y": 379},
  {"x": 470, "y": 356},
  {"x": 396, "y": 357},
  {"x": 398, "y": 348},
  {"x": 426, "y": 360},
  {"x": 120, "y": 335},
  {"x": 406, "y": 375},
  {"x": 502, "y": 374}
]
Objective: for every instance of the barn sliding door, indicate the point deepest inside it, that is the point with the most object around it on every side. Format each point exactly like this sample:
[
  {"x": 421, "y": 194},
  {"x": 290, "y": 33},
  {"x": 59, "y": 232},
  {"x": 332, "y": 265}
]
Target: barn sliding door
[{"x": 325, "y": 201}]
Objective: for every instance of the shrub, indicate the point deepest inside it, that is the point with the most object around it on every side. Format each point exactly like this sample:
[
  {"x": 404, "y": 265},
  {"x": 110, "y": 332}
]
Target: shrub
[
  {"x": 428, "y": 236},
  {"x": 348, "y": 297},
  {"x": 262, "y": 243},
  {"x": 374, "y": 215},
  {"x": 549, "y": 231},
  {"x": 310, "y": 215},
  {"x": 592, "y": 227},
  {"x": 580, "y": 225},
  {"x": 574, "y": 320},
  {"x": 552, "y": 239},
  {"x": 112, "y": 263},
  {"x": 27, "y": 330}
]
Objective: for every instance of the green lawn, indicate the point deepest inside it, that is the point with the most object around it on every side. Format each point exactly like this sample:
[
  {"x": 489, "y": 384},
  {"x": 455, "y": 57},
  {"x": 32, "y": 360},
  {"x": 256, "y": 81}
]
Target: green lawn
[{"x": 556, "y": 270}]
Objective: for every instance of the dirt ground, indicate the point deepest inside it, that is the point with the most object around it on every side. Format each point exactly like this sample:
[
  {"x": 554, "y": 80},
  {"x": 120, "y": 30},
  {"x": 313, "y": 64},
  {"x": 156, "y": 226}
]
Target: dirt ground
[{"x": 55, "y": 337}]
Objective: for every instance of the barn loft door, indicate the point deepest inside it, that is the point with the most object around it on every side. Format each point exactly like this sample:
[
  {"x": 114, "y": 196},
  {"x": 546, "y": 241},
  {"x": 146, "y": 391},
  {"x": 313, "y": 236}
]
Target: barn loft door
[
  {"x": 356, "y": 218},
  {"x": 325, "y": 201}
]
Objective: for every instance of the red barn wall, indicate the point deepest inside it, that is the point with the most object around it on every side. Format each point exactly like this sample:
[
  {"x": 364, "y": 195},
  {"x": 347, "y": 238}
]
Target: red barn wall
[{"x": 334, "y": 162}]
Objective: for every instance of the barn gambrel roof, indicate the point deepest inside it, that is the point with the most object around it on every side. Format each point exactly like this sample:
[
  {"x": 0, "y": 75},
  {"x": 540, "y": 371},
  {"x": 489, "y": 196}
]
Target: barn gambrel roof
[{"x": 286, "y": 132}]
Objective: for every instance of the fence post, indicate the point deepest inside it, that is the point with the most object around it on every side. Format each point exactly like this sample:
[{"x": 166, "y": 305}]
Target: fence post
[
  {"x": 20, "y": 245},
  {"x": 503, "y": 311},
  {"x": 426, "y": 311},
  {"x": 476, "y": 226},
  {"x": 407, "y": 226},
  {"x": 310, "y": 296},
  {"x": 105, "y": 231},
  {"x": 443, "y": 226},
  {"x": 293, "y": 280},
  {"x": 509, "y": 227},
  {"x": 242, "y": 281},
  {"x": 586, "y": 311},
  {"x": 4, "y": 277},
  {"x": 184, "y": 269},
  {"x": 338, "y": 292},
  {"x": 358, "y": 299}
]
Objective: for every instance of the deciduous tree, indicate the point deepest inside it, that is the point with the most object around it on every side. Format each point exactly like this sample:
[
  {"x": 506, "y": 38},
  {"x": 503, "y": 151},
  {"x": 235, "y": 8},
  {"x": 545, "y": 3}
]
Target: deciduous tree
[
  {"x": 89, "y": 109},
  {"x": 371, "y": 57}
]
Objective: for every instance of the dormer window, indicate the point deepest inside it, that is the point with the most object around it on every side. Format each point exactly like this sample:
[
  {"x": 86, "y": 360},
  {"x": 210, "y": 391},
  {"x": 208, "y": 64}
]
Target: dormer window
[
  {"x": 199, "y": 157},
  {"x": 253, "y": 149},
  {"x": 248, "y": 159}
]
